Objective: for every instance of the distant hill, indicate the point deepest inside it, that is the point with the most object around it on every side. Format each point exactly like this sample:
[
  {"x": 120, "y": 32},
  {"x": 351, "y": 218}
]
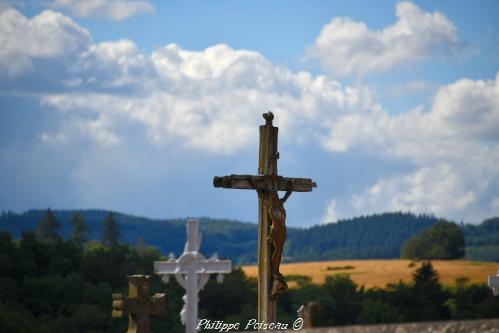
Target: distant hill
[
  {"x": 376, "y": 236},
  {"x": 232, "y": 239}
]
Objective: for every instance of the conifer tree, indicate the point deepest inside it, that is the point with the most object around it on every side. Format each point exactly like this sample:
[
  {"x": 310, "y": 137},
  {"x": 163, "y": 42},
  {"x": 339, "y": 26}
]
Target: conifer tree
[
  {"x": 47, "y": 227},
  {"x": 80, "y": 231},
  {"x": 429, "y": 292},
  {"x": 110, "y": 231}
]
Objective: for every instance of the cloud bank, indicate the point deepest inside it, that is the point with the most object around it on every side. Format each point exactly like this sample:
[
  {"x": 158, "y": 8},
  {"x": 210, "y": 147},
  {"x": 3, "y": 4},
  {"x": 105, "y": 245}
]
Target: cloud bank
[
  {"x": 48, "y": 35},
  {"x": 113, "y": 100},
  {"x": 346, "y": 47},
  {"x": 454, "y": 148}
]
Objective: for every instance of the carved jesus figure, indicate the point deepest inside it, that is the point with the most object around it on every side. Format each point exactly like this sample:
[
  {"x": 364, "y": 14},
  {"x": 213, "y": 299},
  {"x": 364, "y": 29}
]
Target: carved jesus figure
[{"x": 275, "y": 208}]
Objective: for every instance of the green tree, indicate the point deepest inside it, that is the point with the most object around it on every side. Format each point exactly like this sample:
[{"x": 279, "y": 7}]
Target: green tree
[
  {"x": 430, "y": 294},
  {"x": 79, "y": 233},
  {"x": 377, "y": 311},
  {"x": 345, "y": 300},
  {"x": 444, "y": 240},
  {"x": 111, "y": 234},
  {"x": 46, "y": 229}
]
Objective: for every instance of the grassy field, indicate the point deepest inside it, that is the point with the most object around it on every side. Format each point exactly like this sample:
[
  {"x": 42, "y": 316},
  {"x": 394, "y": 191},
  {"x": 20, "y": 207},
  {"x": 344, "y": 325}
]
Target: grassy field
[{"x": 378, "y": 273}]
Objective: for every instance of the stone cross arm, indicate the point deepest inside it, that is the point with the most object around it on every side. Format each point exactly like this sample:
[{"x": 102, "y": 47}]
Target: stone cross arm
[
  {"x": 283, "y": 183},
  {"x": 206, "y": 266},
  {"x": 155, "y": 305}
]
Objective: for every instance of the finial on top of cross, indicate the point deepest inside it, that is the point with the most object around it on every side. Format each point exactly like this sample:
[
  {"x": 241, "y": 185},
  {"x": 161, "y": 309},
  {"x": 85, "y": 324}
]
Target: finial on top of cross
[{"x": 269, "y": 116}]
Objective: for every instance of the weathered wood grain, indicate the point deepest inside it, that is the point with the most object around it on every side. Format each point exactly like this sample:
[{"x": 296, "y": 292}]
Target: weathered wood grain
[{"x": 243, "y": 182}]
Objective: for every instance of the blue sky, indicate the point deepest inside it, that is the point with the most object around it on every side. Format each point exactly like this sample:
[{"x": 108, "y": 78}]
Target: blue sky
[{"x": 134, "y": 106}]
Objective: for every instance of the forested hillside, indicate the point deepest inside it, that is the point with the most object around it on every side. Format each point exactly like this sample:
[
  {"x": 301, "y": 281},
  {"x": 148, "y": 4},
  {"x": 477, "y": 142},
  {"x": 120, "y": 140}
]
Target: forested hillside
[
  {"x": 482, "y": 241},
  {"x": 375, "y": 236},
  {"x": 231, "y": 239}
]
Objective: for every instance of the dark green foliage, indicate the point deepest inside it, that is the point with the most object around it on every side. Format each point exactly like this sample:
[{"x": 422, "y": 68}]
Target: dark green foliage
[
  {"x": 80, "y": 230},
  {"x": 217, "y": 300},
  {"x": 482, "y": 241},
  {"x": 482, "y": 253},
  {"x": 46, "y": 229},
  {"x": 376, "y": 236},
  {"x": 374, "y": 311},
  {"x": 19, "y": 320},
  {"x": 111, "y": 234},
  {"x": 444, "y": 240},
  {"x": 59, "y": 287},
  {"x": 429, "y": 293},
  {"x": 301, "y": 280},
  {"x": 345, "y": 300},
  {"x": 474, "y": 302}
]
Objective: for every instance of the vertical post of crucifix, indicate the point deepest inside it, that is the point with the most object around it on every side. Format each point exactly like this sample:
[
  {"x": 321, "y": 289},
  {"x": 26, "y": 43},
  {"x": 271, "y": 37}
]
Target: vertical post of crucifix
[
  {"x": 267, "y": 165},
  {"x": 271, "y": 216}
]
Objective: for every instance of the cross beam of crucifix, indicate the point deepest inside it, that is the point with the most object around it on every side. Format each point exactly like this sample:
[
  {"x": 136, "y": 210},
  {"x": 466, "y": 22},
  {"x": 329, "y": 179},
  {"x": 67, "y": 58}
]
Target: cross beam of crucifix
[
  {"x": 271, "y": 217},
  {"x": 277, "y": 183}
]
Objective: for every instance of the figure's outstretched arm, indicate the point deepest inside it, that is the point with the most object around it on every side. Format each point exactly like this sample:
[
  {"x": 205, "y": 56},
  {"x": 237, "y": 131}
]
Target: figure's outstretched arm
[
  {"x": 286, "y": 196},
  {"x": 288, "y": 192}
]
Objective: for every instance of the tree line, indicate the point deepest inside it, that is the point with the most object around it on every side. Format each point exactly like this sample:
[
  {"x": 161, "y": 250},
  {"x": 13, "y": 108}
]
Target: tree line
[
  {"x": 380, "y": 236},
  {"x": 48, "y": 284},
  {"x": 47, "y": 229},
  {"x": 374, "y": 236}
]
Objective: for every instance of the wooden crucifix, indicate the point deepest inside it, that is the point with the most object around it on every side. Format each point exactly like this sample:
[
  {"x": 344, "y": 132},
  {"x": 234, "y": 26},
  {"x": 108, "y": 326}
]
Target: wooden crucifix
[
  {"x": 139, "y": 305},
  {"x": 271, "y": 216}
]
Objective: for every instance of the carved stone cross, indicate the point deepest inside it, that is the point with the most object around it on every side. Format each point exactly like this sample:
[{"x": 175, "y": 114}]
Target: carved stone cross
[
  {"x": 494, "y": 284},
  {"x": 139, "y": 305},
  {"x": 271, "y": 216},
  {"x": 192, "y": 271}
]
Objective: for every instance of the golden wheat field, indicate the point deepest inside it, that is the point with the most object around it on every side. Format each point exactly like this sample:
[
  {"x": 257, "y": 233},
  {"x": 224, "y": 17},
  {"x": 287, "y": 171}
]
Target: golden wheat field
[{"x": 378, "y": 273}]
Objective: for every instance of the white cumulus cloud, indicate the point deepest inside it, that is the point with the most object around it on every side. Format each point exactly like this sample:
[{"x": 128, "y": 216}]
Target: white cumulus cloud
[
  {"x": 46, "y": 35},
  {"x": 345, "y": 46},
  {"x": 210, "y": 99},
  {"x": 454, "y": 148},
  {"x": 113, "y": 9}
]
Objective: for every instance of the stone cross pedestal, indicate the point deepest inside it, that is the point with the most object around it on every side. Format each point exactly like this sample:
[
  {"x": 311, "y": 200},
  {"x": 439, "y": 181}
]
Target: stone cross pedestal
[
  {"x": 271, "y": 215},
  {"x": 138, "y": 305},
  {"x": 311, "y": 315},
  {"x": 192, "y": 271},
  {"x": 494, "y": 284}
]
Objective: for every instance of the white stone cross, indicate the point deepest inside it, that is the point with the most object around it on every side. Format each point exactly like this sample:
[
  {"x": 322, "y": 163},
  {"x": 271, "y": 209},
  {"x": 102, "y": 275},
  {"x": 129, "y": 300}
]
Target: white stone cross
[
  {"x": 494, "y": 284},
  {"x": 192, "y": 271}
]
